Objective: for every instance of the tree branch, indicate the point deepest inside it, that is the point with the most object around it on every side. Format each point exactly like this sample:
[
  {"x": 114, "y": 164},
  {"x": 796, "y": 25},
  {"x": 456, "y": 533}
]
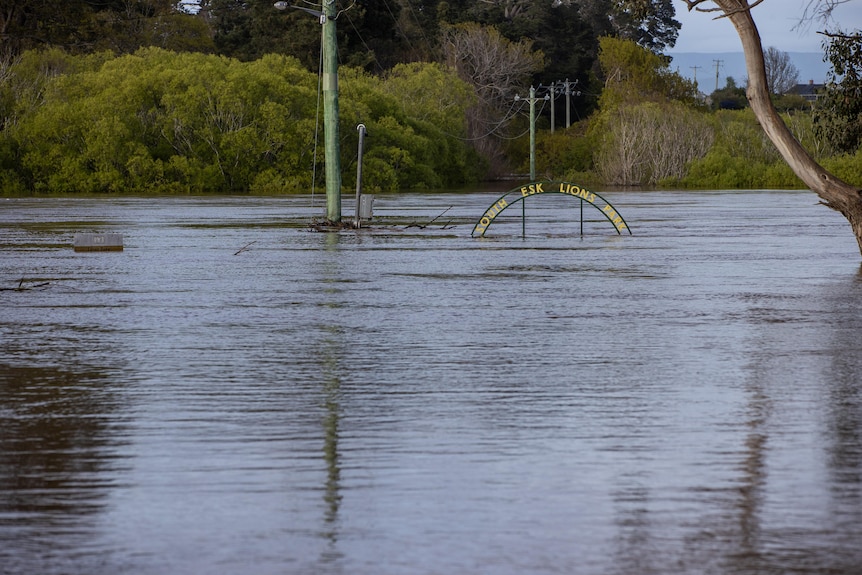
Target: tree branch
[
  {"x": 744, "y": 7},
  {"x": 856, "y": 37},
  {"x": 820, "y": 9}
]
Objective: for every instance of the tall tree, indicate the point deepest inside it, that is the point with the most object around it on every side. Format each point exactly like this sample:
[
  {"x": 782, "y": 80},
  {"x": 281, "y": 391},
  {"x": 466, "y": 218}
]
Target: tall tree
[
  {"x": 650, "y": 23},
  {"x": 559, "y": 32},
  {"x": 834, "y": 192},
  {"x": 248, "y": 29},
  {"x": 27, "y": 24},
  {"x": 781, "y": 74},
  {"x": 633, "y": 74},
  {"x": 82, "y": 26},
  {"x": 497, "y": 69},
  {"x": 370, "y": 34}
]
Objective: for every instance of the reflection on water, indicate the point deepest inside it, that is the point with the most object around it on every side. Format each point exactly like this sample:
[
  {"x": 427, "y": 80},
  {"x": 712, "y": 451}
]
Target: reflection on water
[
  {"x": 60, "y": 441},
  {"x": 407, "y": 399},
  {"x": 332, "y": 348}
]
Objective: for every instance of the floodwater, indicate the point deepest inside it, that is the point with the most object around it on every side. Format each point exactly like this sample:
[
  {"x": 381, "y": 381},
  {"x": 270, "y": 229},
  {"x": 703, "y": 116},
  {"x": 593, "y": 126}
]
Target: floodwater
[{"x": 234, "y": 393}]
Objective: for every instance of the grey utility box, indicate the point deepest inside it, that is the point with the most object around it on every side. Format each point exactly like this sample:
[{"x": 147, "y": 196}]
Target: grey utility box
[
  {"x": 86, "y": 242},
  {"x": 366, "y": 206}
]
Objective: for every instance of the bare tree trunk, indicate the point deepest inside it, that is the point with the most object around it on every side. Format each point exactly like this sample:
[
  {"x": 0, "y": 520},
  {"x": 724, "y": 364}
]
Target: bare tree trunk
[{"x": 835, "y": 193}]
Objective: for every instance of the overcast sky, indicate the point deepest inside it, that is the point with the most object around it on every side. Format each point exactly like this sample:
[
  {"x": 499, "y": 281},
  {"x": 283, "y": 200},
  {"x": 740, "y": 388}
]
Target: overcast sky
[{"x": 775, "y": 20}]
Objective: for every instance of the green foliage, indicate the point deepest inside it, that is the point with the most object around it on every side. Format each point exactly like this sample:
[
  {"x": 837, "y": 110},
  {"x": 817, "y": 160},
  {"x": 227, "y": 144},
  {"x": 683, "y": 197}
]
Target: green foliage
[
  {"x": 430, "y": 93},
  {"x": 371, "y": 35},
  {"x": 559, "y": 40},
  {"x": 720, "y": 170},
  {"x": 647, "y": 127},
  {"x": 415, "y": 122},
  {"x": 166, "y": 122},
  {"x": 159, "y": 121},
  {"x": 86, "y": 26},
  {"x": 634, "y": 74},
  {"x": 838, "y": 114},
  {"x": 790, "y": 102},
  {"x": 671, "y": 145},
  {"x": 739, "y": 133},
  {"x": 559, "y": 31},
  {"x": 566, "y": 151},
  {"x": 646, "y": 134},
  {"x": 742, "y": 157},
  {"x": 801, "y": 124},
  {"x": 24, "y": 79},
  {"x": 848, "y": 167},
  {"x": 731, "y": 97},
  {"x": 151, "y": 120},
  {"x": 650, "y": 23}
]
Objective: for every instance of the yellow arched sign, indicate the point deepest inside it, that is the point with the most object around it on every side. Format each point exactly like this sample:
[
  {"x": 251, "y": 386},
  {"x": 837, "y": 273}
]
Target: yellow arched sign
[{"x": 520, "y": 194}]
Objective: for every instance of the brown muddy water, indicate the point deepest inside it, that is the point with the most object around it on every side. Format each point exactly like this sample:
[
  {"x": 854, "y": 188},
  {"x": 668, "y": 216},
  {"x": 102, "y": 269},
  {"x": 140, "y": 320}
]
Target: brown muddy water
[{"x": 234, "y": 393}]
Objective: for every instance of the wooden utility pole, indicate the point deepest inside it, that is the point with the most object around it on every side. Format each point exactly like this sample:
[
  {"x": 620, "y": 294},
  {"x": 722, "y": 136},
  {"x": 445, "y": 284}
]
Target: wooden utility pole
[
  {"x": 718, "y": 64},
  {"x": 332, "y": 149},
  {"x": 695, "y": 68},
  {"x": 330, "y": 114},
  {"x": 532, "y": 100}
]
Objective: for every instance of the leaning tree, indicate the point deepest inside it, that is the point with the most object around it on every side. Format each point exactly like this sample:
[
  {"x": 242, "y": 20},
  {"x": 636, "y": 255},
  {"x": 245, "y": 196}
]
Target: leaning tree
[{"x": 833, "y": 192}]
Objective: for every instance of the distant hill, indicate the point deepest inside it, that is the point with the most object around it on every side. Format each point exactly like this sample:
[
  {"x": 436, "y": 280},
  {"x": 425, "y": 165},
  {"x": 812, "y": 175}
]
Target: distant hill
[{"x": 732, "y": 64}]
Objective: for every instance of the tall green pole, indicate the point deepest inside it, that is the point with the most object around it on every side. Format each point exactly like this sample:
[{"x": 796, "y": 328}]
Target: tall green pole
[
  {"x": 330, "y": 114},
  {"x": 332, "y": 152}
]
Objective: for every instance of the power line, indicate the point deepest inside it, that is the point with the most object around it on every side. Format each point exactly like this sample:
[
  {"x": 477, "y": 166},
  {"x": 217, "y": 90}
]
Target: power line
[{"x": 565, "y": 88}]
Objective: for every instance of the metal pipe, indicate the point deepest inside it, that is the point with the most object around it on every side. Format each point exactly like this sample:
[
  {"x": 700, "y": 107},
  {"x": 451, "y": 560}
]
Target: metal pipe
[{"x": 361, "y": 129}]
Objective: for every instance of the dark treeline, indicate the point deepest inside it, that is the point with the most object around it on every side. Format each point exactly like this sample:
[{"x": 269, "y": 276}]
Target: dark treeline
[{"x": 375, "y": 35}]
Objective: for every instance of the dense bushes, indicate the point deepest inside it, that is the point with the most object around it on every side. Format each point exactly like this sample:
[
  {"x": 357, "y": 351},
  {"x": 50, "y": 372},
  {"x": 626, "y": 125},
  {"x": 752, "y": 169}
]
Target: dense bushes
[
  {"x": 165, "y": 122},
  {"x": 650, "y": 131},
  {"x": 669, "y": 145},
  {"x": 649, "y": 143}
]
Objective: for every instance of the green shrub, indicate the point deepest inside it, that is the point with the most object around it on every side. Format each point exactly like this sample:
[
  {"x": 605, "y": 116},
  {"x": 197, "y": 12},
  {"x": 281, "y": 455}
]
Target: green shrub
[
  {"x": 565, "y": 150},
  {"x": 721, "y": 170},
  {"x": 848, "y": 167},
  {"x": 162, "y": 122}
]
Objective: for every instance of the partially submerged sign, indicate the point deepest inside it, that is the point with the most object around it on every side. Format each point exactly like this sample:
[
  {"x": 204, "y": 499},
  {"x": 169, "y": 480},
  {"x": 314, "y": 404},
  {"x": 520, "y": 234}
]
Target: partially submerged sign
[
  {"x": 87, "y": 242},
  {"x": 520, "y": 194}
]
